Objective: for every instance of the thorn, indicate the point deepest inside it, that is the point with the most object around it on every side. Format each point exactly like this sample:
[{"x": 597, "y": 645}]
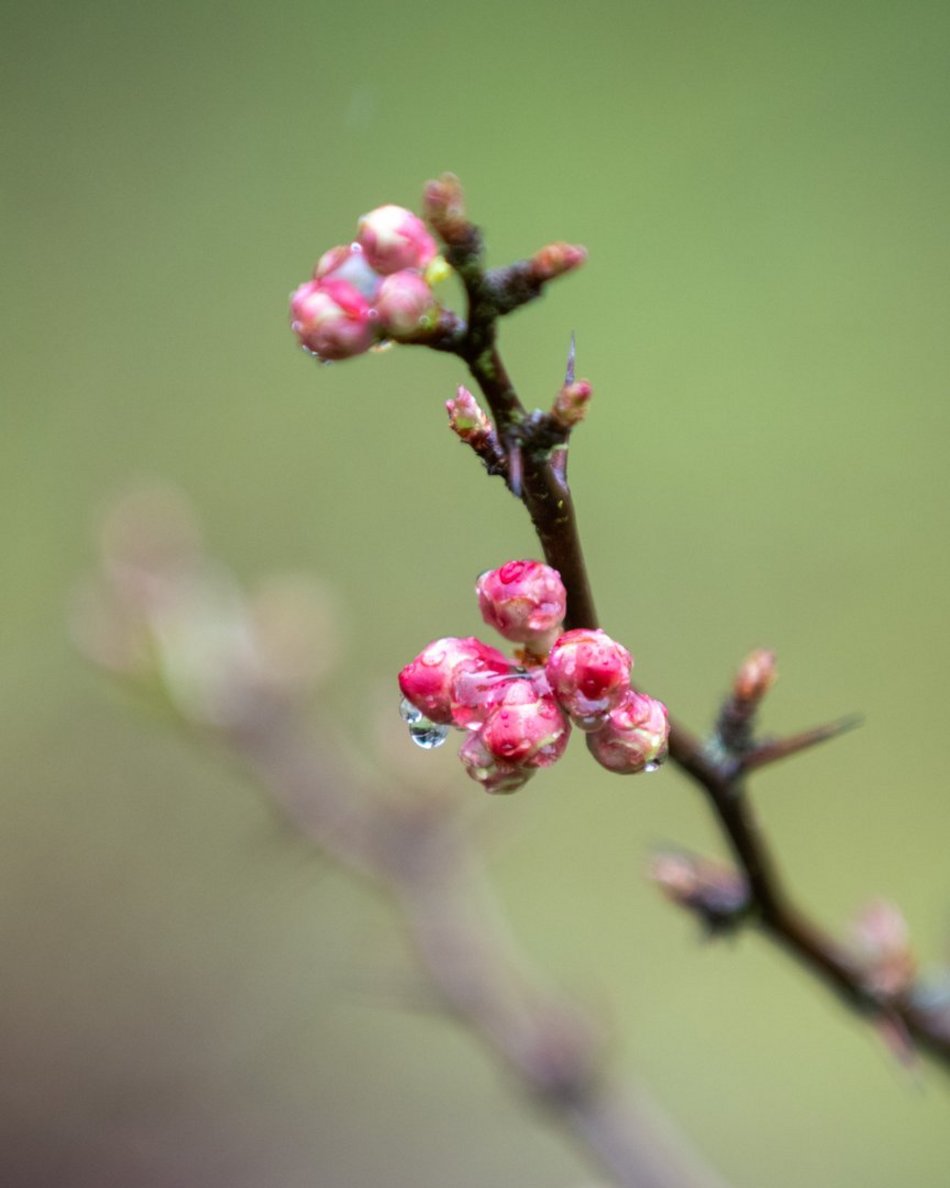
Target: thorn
[
  {"x": 771, "y": 752},
  {"x": 571, "y": 357},
  {"x": 515, "y": 468}
]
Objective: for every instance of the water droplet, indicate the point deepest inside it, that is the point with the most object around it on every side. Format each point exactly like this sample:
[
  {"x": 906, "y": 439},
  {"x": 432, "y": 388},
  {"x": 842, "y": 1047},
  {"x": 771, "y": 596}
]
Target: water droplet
[
  {"x": 651, "y": 767},
  {"x": 408, "y": 712},
  {"x": 423, "y": 733}
]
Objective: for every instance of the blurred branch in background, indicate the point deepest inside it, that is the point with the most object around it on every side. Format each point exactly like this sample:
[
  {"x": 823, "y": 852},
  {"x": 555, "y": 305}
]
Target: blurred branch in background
[{"x": 240, "y": 671}]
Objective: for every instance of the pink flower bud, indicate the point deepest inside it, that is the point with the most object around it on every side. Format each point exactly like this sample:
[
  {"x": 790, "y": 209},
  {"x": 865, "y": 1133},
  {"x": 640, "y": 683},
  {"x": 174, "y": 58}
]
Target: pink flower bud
[
  {"x": 402, "y": 304},
  {"x": 526, "y": 725},
  {"x": 524, "y": 601},
  {"x": 474, "y": 690},
  {"x": 589, "y": 674},
  {"x": 467, "y": 418},
  {"x": 332, "y": 319},
  {"x": 555, "y": 259},
  {"x": 444, "y": 205},
  {"x": 348, "y": 263},
  {"x": 756, "y": 676},
  {"x": 634, "y": 737},
  {"x": 427, "y": 681},
  {"x": 394, "y": 238},
  {"x": 495, "y": 775},
  {"x": 570, "y": 404},
  {"x": 882, "y": 939}
]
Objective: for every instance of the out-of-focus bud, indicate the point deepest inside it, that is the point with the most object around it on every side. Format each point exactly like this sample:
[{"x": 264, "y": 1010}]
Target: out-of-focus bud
[
  {"x": 756, "y": 676},
  {"x": 881, "y": 938},
  {"x": 467, "y": 418},
  {"x": 555, "y": 259},
  {"x": 526, "y": 725},
  {"x": 394, "y": 238},
  {"x": 427, "y": 681},
  {"x": 404, "y": 304},
  {"x": 718, "y": 894},
  {"x": 635, "y": 736},
  {"x": 589, "y": 674},
  {"x": 495, "y": 775},
  {"x": 349, "y": 263},
  {"x": 331, "y": 319},
  {"x": 525, "y": 601},
  {"x": 570, "y": 404},
  {"x": 443, "y": 203}
]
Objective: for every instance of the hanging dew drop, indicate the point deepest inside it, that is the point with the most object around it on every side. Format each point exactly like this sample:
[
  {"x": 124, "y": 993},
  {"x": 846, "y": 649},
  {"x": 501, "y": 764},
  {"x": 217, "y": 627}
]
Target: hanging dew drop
[
  {"x": 408, "y": 712},
  {"x": 651, "y": 767},
  {"x": 423, "y": 733},
  {"x": 428, "y": 736}
]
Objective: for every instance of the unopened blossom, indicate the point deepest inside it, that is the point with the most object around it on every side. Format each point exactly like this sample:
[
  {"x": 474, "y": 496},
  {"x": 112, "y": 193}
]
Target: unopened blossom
[
  {"x": 403, "y": 304},
  {"x": 525, "y": 601},
  {"x": 570, "y": 404},
  {"x": 526, "y": 725},
  {"x": 394, "y": 238},
  {"x": 589, "y": 674},
  {"x": 757, "y": 674},
  {"x": 332, "y": 319},
  {"x": 555, "y": 259},
  {"x": 635, "y": 736},
  {"x": 427, "y": 681},
  {"x": 495, "y": 775},
  {"x": 467, "y": 418},
  {"x": 444, "y": 204}
]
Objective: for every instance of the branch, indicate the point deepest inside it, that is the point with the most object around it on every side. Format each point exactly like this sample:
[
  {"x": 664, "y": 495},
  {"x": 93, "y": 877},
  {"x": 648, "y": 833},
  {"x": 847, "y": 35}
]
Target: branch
[
  {"x": 239, "y": 672},
  {"x": 718, "y": 771}
]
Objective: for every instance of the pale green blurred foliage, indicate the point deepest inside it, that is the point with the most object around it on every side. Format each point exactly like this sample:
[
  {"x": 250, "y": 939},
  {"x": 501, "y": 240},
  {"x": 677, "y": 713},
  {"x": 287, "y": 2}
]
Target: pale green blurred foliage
[{"x": 189, "y": 996}]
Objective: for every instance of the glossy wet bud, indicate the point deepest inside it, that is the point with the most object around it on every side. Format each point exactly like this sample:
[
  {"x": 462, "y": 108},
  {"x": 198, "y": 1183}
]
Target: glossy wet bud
[
  {"x": 525, "y": 602},
  {"x": 635, "y": 736},
  {"x": 525, "y": 724},
  {"x": 403, "y": 304},
  {"x": 427, "y": 681},
  {"x": 332, "y": 319},
  {"x": 495, "y": 775},
  {"x": 393, "y": 238},
  {"x": 589, "y": 674}
]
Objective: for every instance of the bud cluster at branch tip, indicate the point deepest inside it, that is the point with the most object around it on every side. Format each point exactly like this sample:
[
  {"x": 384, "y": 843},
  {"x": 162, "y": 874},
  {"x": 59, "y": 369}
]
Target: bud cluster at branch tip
[
  {"x": 517, "y": 713},
  {"x": 377, "y": 288}
]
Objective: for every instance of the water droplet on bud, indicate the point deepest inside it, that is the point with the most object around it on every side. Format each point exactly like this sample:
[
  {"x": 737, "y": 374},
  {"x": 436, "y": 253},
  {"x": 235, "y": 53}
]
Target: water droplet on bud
[
  {"x": 651, "y": 767},
  {"x": 423, "y": 733}
]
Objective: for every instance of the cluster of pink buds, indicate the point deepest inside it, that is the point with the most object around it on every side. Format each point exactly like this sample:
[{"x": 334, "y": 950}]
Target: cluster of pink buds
[
  {"x": 517, "y": 713},
  {"x": 377, "y": 288}
]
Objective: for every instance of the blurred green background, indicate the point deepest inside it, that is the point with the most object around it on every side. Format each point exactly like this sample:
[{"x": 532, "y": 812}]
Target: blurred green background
[{"x": 189, "y": 996}]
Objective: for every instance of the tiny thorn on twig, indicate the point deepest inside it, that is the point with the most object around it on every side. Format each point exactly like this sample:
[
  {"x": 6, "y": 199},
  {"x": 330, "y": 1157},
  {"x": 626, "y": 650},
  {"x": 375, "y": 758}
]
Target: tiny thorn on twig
[
  {"x": 571, "y": 358},
  {"x": 771, "y": 752},
  {"x": 515, "y": 468}
]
